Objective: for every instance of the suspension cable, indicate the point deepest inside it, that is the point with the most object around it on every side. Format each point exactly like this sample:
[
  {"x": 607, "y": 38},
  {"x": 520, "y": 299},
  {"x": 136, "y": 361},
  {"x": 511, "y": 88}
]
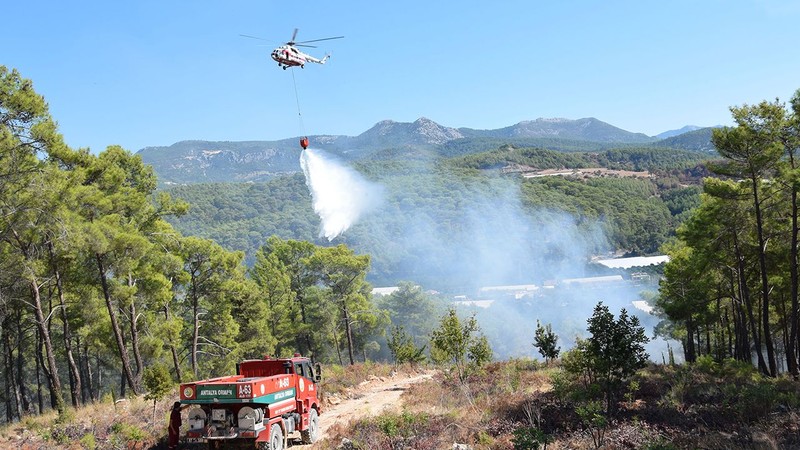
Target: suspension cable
[{"x": 297, "y": 99}]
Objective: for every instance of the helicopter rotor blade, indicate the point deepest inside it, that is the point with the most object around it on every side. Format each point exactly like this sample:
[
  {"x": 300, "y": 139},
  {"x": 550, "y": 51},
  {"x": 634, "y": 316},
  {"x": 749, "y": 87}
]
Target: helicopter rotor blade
[
  {"x": 252, "y": 37},
  {"x": 294, "y": 35},
  {"x": 303, "y": 45},
  {"x": 317, "y": 40}
]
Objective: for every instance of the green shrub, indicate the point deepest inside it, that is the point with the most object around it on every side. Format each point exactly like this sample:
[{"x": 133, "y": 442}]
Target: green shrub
[
  {"x": 525, "y": 364},
  {"x": 571, "y": 387},
  {"x": 740, "y": 371},
  {"x": 389, "y": 425},
  {"x": 633, "y": 388},
  {"x": 659, "y": 444},
  {"x": 678, "y": 392},
  {"x": 59, "y": 436},
  {"x": 562, "y": 384},
  {"x": 706, "y": 364},
  {"x": 66, "y": 416},
  {"x": 788, "y": 392},
  {"x": 29, "y": 424},
  {"x": 404, "y": 424},
  {"x": 529, "y": 438},
  {"x": 88, "y": 441},
  {"x": 108, "y": 397},
  {"x": 484, "y": 438},
  {"x": 757, "y": 401},
  {"x": 128, "y": 432},
  {"x": 594, "y": 422},
  {"x": 511, "y": 377}
]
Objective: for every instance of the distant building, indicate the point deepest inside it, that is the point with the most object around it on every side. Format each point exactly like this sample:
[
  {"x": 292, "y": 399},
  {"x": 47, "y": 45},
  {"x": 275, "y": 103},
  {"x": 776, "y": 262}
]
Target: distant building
[
  {"x": 517, "y": 291},
  {"x": 640, "y": 277},
  {"x": 637, "y": 261},
  {"x": 477, "y": 303},
  {"x": 591, "y": 281},
  {"x": 643, "y": 306}
]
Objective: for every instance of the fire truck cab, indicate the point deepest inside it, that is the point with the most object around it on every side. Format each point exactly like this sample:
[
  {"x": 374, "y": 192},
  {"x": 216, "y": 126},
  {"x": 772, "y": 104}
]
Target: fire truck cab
[{"x": 267, "y": 402}]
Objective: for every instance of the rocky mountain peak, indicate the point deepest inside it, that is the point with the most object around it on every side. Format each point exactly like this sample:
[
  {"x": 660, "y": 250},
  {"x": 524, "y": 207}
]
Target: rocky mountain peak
[{"x": 433, "y": 133}]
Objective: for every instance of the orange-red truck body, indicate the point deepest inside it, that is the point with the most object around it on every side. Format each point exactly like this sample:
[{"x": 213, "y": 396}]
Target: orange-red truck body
[{"x": 279, "y": 391}]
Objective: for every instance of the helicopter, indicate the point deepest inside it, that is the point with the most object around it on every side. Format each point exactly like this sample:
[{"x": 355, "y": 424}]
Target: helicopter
[{"x": 287, "y": 55}]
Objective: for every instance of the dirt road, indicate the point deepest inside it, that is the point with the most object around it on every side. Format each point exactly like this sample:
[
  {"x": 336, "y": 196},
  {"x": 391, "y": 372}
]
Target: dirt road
[{"x": 370, "y": 398}]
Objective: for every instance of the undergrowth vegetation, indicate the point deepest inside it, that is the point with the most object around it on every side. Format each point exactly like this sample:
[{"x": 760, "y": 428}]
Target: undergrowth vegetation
[
  {"x": 107, "y": 424},
  {"x": 523, "y": 404},
  {"x": 520, "y": 404}
]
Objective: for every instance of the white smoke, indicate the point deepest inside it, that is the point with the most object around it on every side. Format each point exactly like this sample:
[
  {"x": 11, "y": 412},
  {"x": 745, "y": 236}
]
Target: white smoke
[
  {"x": 486, "y": 236},
  {"x": 340, "y": 194}
]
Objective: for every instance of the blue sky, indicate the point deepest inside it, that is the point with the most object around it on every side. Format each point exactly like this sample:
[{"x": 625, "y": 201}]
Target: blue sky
[{"x": 145, "y": 73}]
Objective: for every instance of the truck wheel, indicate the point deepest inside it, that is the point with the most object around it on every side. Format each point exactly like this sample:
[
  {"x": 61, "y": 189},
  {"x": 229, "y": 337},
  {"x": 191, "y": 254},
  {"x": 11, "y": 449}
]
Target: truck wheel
[
  {"x": 275, "y": 438},
  {"x": 311, "y": 434}
]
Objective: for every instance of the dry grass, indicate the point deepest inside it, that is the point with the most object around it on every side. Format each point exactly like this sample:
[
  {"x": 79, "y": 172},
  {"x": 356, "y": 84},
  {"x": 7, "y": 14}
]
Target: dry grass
[
  {"x": 443, "y": 411},
  {"x": 128, "y": 424},
  {"x": 673, "y": 408},
  {"x": 698, "y": 407},
  {"x": 341, "y": 380}
]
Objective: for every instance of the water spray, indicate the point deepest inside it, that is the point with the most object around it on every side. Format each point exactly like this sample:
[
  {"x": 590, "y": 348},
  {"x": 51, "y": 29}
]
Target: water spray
[{"x": 340, "y": 195}]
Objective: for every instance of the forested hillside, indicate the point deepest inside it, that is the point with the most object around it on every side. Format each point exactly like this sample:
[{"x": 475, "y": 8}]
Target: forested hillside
[{"x": 443, "y": 200}]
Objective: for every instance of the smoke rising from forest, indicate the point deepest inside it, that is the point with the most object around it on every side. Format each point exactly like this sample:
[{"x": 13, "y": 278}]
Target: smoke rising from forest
[
  {"x": 474, "y": 233},
  {"x": 340, "y": 194},
  {"x": 493, "y": 239},
  {"x": 456, "y": 234}
]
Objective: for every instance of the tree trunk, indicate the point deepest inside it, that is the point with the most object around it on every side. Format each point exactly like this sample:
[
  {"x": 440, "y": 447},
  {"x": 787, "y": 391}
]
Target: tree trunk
[
  {"x": 195, "y": 325},
  {"x": 762, "y": 263},
  {"x": 81, "y": 366},
  {"x": 307, "y": 335},
  {"x": 22, "y": 395},
  {"x": 740, "y": 348},
  {"x": 762, "y": 365},
  {"x": 744, "y": 293},
  {"x": 134, "y": 322},
  {"x": 122, "y": 384},
  {"x": 87, "y": 371},
  {"x": 99, "y": 372},
  {"x": 41, "y": 323},
  {"x": 349, "y": 332},
  {"x": 13, "y": 408},
  {"x": 791, "y": 349},
  {"x": 75, "y": 375},
  {"x": 729, "y": 341},
  {"x": 39, "y": 364},
  {"x": 690, "y": 353},
  {"x": 338, "y": 348},
  {"x": 173, "y": 350},
  {"x": 123, "y": 352}
]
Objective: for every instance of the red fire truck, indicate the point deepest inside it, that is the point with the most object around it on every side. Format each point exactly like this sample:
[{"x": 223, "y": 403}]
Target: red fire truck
[{"x": 265, "y": 405}]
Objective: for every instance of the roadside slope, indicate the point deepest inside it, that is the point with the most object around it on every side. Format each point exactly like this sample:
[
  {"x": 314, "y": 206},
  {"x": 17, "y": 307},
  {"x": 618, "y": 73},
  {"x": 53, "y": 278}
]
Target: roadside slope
[{"x": 368, "y": 398}]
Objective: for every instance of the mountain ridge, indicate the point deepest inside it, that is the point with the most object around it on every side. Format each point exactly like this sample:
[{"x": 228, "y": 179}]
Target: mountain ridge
[{"x": 193, "y": 161}]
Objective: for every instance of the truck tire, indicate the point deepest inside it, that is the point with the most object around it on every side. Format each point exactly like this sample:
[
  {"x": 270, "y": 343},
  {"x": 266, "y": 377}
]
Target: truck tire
[
  {"x": 311, "y": 434},
  {"x": 275, "y": 438}
]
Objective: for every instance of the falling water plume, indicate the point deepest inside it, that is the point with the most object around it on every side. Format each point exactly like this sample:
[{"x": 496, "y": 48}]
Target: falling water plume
[{"x": 340, "y": 195}]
